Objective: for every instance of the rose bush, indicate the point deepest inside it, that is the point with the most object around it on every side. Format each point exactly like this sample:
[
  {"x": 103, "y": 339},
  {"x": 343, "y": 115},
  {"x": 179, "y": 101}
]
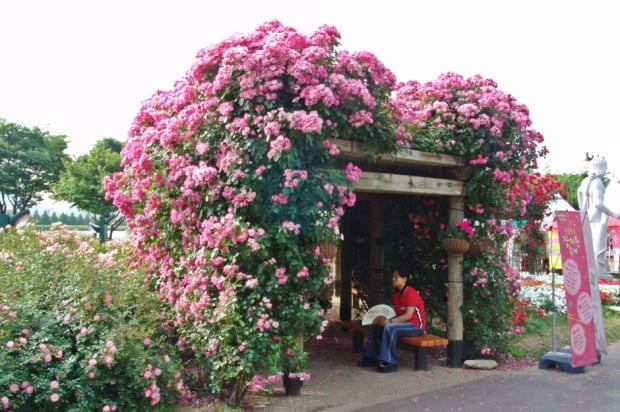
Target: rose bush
[
  {"x": 79, "y": 330},
  {"x": 228, "y": 179}
]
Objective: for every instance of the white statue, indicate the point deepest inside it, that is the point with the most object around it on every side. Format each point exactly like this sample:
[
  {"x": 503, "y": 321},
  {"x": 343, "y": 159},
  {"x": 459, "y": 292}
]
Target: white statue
[{"x": 591, "y": 197}]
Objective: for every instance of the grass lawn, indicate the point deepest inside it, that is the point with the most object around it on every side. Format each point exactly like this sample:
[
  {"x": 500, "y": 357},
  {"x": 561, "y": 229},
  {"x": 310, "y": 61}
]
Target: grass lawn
[{"x": 538, "y": 338}]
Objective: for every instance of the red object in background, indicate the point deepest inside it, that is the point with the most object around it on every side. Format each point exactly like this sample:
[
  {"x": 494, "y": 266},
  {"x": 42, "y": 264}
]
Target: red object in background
[{"x": 613, "y": 225}]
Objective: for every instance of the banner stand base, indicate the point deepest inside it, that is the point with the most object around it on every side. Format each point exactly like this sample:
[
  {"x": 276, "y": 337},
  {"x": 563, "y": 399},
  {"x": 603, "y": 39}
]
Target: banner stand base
[
  {"x": 561, "y": 360},
  {"x": 566, "y": 349}
]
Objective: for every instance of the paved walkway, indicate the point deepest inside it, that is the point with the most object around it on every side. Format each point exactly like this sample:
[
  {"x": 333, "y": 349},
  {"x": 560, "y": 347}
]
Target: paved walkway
[
  {"x": 531, "y": 389},
  {"x": 339, "y": 385}
]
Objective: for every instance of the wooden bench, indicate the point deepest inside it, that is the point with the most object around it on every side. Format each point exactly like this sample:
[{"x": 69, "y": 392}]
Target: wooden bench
[{"x": 420, "y": 343}]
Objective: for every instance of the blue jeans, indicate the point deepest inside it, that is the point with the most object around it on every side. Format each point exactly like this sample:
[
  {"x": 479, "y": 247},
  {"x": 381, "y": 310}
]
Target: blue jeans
[{"x": 382, "y": 342}]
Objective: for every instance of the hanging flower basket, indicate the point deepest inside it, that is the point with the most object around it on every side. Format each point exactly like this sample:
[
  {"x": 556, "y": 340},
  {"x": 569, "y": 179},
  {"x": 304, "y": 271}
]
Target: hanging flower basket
[
  {"x": 455, "y": 245},
  {"x": 478, "y": 247},
  {"x": 328, "y": 250}
]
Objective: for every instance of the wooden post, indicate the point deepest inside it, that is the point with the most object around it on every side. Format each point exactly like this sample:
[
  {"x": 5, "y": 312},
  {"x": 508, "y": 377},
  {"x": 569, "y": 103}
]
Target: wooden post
[
  {"x": 376, "y": 255},
  {"x": 338, "y": 272},
  {"x": 345, "y": 269},
  {"x": 456, "y": 352}
]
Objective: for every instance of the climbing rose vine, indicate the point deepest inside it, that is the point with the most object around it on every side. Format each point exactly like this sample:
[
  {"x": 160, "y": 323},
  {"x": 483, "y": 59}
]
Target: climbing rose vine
[
  {"x": 229, "y": 178},
  {"x": 473, "y": 118}
]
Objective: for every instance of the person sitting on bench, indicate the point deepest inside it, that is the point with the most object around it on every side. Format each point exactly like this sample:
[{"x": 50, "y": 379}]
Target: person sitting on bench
[{"x": 410, "y": 320}]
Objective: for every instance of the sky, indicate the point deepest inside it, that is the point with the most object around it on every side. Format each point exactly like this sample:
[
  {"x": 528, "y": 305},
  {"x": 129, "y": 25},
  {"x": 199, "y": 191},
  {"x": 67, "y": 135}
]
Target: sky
[{"x": 82, "y": 68}]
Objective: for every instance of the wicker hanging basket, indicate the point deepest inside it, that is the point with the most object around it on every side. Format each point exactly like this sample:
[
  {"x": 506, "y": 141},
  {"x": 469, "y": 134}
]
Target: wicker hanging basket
[
  {"x": 455, "y": 245},
  {"x": 328, "y": 250},
  {"x": 476, "y": 248}
]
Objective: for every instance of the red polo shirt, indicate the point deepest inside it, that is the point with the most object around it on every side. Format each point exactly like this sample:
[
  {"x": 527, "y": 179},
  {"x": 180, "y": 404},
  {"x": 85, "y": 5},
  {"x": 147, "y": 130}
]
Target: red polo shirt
[{"x": 410, "y": 297}]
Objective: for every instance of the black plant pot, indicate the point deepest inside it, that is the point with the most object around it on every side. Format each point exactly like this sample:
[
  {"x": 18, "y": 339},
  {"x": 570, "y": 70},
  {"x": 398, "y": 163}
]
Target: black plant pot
[{"x": 292, "y": 386}]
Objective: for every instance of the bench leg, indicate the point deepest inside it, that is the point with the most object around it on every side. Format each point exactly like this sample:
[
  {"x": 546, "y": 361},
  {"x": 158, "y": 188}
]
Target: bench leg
[
  {"x": 421, "y": 355},
  {"x": 358, "y": 341}
]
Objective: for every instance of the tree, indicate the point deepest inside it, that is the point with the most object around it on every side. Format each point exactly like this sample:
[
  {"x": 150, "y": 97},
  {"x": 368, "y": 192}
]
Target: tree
[
  {"x": 82, "y": 219},
  {"x": 572, "y": 182},
  {"x": 44, "y": 219},
  {"x": 30, "y": 161},
  {"x": 81, "y": 184},
  {"x": 72, "y": 219}
]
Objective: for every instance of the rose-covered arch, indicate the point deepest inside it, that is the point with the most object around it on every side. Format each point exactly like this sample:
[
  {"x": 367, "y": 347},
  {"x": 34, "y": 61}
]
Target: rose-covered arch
[{"x": 230, "y": 178}]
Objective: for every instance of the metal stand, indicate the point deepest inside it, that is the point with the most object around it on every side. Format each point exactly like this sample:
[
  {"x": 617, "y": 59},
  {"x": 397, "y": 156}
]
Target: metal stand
[
  {"x": 553, "y": 311},
  {"x": 561, "y": 360}
]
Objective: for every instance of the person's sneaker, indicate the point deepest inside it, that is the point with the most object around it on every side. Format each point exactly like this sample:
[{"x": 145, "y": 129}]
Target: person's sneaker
[
  {"x": 367, "y": 362},
  {"x": 385, "y": 367}
]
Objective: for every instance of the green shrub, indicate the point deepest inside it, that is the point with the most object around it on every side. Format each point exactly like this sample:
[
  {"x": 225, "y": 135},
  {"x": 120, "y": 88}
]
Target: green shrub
[{"x": 79, "y": 329}]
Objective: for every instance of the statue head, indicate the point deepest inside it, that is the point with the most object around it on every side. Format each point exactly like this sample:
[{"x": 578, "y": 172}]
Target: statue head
[{"x": 598, "y": 166}]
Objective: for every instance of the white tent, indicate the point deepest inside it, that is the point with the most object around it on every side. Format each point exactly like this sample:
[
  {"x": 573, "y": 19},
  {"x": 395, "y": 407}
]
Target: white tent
[
  {"x": 560, "y": 204},
  {"x": 556, "y": 205}
]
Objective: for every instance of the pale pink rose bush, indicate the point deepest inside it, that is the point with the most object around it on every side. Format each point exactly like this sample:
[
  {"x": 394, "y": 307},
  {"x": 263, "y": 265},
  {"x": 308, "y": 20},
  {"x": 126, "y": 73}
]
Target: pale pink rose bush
[
  {"x": 78, "y": 332},
  {"x": 229, "y": 177}
]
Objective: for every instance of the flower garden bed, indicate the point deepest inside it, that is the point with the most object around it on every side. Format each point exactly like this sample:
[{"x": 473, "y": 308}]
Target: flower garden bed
[{"x": 538, "y": 290}]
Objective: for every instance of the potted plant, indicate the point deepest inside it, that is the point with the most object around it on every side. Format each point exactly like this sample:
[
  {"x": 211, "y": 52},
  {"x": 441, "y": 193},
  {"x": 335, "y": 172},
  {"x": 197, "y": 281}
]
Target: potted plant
[
  {"x": 326, "y": 237},
  {"x": 456, "y": 239},
  {"x": 293, "y": 363},
  {"x": 480, "y": 242}
]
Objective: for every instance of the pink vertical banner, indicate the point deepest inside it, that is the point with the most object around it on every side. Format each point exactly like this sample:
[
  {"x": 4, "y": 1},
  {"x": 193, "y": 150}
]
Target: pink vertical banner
[{"x": 577, "y": 288}]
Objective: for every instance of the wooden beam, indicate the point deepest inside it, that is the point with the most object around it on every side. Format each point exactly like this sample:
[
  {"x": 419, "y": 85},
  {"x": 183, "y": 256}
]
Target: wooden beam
[
  {"x": 355, "y": 151},
  {"x": 408, "y": 185}
]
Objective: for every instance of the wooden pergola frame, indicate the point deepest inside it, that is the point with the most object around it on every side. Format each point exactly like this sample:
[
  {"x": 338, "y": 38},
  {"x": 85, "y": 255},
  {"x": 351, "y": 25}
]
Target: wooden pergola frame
[{"x": 411, "y": 172}]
